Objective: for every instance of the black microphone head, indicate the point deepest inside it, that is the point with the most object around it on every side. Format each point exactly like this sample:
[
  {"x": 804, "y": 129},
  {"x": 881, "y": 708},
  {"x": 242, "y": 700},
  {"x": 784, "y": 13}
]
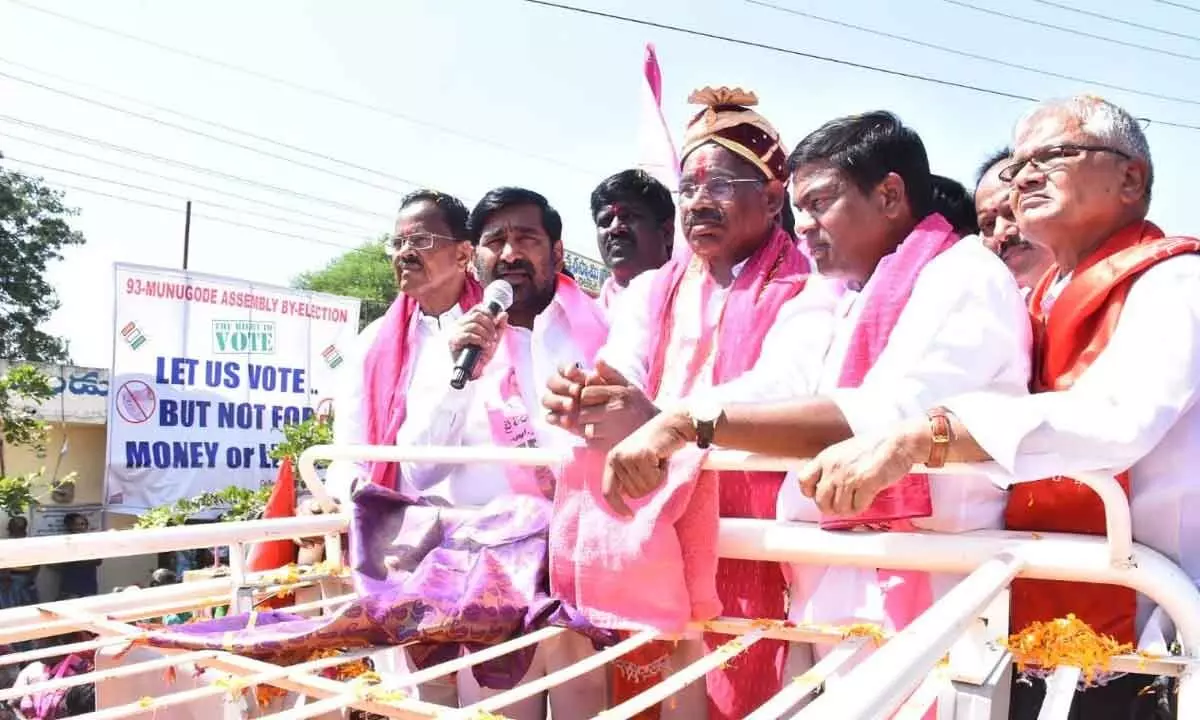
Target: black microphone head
[{"x": 498, "y": 293}]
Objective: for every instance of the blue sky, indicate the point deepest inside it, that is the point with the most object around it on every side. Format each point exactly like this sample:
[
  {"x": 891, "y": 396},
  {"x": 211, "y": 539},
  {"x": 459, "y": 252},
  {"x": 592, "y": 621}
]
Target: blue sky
[{"x": 472, "y": 94}]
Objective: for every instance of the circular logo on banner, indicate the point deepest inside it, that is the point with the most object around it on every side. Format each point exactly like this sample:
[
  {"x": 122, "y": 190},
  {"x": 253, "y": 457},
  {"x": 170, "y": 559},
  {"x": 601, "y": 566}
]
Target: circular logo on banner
[
  {"x": 136, "y": 402},
  {"x": 324, "y": 409}
]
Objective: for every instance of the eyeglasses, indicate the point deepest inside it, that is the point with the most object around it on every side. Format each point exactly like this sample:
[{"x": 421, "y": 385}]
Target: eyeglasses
[
  {"x": 416, "y": 241},
  {"x": 719, "y": 188},
  {"x": 1053, "y": 157}
]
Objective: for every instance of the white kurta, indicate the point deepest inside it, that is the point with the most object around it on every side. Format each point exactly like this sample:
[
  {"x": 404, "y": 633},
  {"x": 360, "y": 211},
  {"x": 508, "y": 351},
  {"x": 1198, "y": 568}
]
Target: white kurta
[
  {"x": 964, "y": 328},
  {"x": 440, "y": 415},
  {"x": 788, "y": 366},
  {"x": 1133, "y": 409}
]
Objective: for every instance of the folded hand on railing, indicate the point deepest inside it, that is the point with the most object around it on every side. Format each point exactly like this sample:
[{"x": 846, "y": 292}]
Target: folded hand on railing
[
  {"x": 845, "y": 478},
  {"x": 312, "y": 549}
]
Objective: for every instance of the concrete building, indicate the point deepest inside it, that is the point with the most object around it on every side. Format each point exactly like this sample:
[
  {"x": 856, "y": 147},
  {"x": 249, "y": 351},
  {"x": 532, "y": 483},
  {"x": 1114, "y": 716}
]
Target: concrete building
[{"x": 77, "y": 414}]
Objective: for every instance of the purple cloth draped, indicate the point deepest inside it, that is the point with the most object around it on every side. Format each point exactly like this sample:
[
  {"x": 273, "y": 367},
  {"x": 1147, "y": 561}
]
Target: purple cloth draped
[{"x": 436, "y": 579}]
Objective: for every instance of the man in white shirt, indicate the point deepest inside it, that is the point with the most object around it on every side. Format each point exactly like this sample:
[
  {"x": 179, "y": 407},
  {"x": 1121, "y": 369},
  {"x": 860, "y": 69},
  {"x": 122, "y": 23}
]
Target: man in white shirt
[
  {"x": 551, "y": 323},
  {"x": 998, "y": 227},
  {"x": 408, "y": 400},
  {"x": 741, "y": 297},
  {"x": 430, "y": 251},
  {"x": 924, "y": 317},
  {"x": 1116, "y": 376}
]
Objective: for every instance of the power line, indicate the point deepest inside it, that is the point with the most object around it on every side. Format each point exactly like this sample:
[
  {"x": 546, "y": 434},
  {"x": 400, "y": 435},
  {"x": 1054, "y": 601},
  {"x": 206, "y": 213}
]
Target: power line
[
  {"x": 213, "y": 218},
  {"x": 973, "y": 56},
  {"x": 293, "y": 85},
  {"x": 210, "y": 123},
  {"x": 1179, "y": 5},
  {"x": 185, "y": 165},
  {"x": 1072, "y": 31},
  {"x": 75, "y": 154},
  {"x": 813, "y": 56},
  {"x": 143, "y": 188},
  {"x": 201, "y": 133},
  {"x": 1121, "y": 21},
  {"x": 774, "y": 48}
]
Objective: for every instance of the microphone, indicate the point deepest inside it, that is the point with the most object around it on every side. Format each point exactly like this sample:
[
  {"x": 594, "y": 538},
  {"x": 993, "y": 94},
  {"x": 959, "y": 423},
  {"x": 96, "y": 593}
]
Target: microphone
[{"x": 497, "y": 297}]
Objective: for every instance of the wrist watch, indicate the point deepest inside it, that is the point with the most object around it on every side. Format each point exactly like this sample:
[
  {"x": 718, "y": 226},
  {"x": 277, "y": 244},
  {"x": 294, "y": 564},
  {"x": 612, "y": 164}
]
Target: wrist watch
[
  {"x": 941, "y": 435},
  {"x": 704, "y": 411}
]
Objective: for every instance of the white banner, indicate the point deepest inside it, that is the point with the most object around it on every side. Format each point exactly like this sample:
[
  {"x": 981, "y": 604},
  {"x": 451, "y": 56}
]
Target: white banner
[{"x": 206, "y": 370}]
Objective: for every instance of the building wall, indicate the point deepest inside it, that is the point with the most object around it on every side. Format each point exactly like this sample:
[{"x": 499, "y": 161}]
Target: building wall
[{"x": 76, "y": 444}]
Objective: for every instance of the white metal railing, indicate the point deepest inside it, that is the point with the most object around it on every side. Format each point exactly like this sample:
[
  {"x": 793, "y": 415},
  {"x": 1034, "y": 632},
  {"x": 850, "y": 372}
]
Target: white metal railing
[
  {"x": 880, "y": 682},
  {"x": 1118, "y": 523},
  {"x": 1113, "y": 559}
]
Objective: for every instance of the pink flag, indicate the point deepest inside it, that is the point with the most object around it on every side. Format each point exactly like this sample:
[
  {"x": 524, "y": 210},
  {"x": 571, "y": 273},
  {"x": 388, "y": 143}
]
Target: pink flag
[{"x": 656, "y": 148}]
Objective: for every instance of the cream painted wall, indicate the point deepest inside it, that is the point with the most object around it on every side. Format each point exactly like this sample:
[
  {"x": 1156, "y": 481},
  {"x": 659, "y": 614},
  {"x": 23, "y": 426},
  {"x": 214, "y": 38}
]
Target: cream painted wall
[{"x": 85, "y": 447}]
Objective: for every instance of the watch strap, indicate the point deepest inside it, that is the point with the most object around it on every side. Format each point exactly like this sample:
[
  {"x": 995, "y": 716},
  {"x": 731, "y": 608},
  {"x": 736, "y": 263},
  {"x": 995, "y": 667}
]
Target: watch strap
[{"x": 941, "y": 435}]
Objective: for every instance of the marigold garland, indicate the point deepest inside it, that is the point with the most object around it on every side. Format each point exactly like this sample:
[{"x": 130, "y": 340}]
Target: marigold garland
[
  {"x": 360, "y": 670},
  {"x": 1043, "y": 646}
]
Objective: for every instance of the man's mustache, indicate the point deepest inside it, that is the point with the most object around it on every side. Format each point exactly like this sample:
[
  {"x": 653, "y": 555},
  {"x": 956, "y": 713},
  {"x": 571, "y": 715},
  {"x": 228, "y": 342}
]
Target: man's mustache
[
  {"x": 708, "y": 216},
  {"x": 1013, "y": 244},
  {"x": 517, "y": 267}
]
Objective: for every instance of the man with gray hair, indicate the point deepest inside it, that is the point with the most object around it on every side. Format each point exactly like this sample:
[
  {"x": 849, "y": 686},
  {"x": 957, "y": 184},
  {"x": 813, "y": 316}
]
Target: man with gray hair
[{"x": 1115, "y": 380}]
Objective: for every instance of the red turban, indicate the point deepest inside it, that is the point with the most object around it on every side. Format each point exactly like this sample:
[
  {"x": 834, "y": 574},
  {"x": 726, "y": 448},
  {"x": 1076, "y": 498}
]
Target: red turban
[{"x": 728, "y": 121}]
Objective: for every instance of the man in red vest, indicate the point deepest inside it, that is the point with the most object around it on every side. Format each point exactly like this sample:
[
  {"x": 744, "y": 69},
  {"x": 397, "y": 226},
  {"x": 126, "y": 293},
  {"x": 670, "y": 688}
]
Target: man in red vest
[{"x": 1116, "y": 372}]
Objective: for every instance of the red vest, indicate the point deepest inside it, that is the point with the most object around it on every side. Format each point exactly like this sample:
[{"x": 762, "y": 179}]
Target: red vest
[{"x": 1066, "y": 342}]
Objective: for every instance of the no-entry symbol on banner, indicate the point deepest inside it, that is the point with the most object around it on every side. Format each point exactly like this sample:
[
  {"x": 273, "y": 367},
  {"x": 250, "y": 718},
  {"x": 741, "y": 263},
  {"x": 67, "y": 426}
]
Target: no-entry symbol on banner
[
  {"x": 136, "y": 402},
  {"x": 324, "y": 409}
]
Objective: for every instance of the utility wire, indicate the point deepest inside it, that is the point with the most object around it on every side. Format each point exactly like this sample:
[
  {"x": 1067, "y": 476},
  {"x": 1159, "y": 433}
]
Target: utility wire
[
  {"x": 201, "y": 133},
  {"x": 813, "y": 56},
  {"x": 226, "y": 221},
  {"x": 300, "y": 87},
  {"x": 1121, "y": 21},
  {"x": 210, "y": 123},
  {"x": 188, "y": 166},
  {"x": 973, "y": 56},
  {"x": 773, "y": 48},
  {"x": 75, "y": 154},
  {"x": 1061, "y": 28},
  {"x": 143, "y": 188},
  {"x": 1179, "y": 5}
]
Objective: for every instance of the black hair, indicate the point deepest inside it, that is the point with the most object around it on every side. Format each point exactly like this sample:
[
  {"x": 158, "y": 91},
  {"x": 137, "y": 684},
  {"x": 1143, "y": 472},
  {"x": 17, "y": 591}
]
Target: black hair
[
  {"x": 453, "y": 210},
  {"x": 72, "y": 517},
  {"x": 79, "y": 700},
  {"x": 996, "y": 156},
  {"x": 787, "y": 221},
  {"x": 505, "y": 197},
  {"x": 866, "y": 148},
  {"x": 163, "y": 576},
  {"x": 635, "y": 186},
  {"x": 955, "y": 204}
]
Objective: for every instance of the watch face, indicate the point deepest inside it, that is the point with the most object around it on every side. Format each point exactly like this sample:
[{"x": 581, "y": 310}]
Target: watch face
[{"x": 705, "y": 410}]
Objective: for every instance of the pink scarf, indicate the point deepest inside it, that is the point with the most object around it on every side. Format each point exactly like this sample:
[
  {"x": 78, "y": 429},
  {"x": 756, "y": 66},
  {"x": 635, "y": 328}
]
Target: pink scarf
[
  {"x": 48, "y": 704},
  {"x": 509, "y": 417},
  {"x": 670, "y": 543},
  {"x": 608, "y": 294},
  {"x": 385, "y": 383},
  {"x": 589, "y": 327},
  {"x": 906, "y": 594}
]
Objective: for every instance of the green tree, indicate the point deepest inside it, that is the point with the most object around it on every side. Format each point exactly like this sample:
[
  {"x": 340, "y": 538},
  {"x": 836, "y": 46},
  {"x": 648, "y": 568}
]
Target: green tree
[
  {"x": 22, "y": 389},
  {"x": 364, "y": 273},
  {"x": 33, "y": 232}
]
